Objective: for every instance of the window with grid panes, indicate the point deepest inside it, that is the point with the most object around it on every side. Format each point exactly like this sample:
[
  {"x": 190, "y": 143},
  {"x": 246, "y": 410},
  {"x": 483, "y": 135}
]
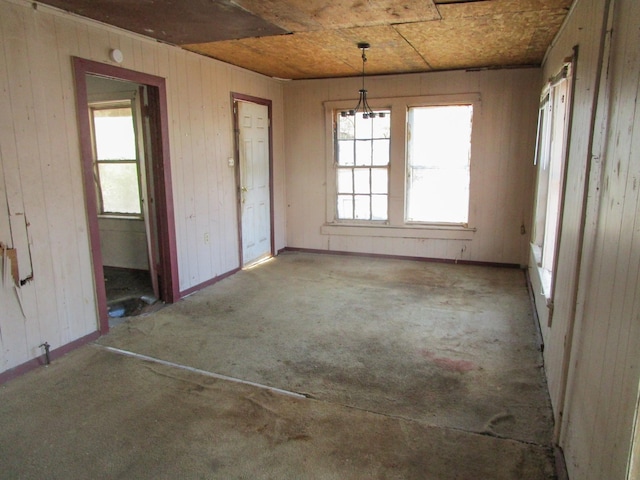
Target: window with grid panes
[
  {"x": 554, "y": 113},
  {"x": 362, "y": 167},
  {"x": 116, "y": 158}
]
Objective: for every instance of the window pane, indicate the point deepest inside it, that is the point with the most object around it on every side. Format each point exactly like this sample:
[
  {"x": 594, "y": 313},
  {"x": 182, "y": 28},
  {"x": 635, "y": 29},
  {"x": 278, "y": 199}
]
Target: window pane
[
  {"x": 345, "y": 180},
  {"x": 382, "y": 126},
  {"x": 361, "y": 180},
  {"x": 362, "y": 207},
  {"x": 438, "y": 196},
  {"x": 363, "y": 152},
  {"x": 114, "y": 134},
  {"x": 357, "y": 180},
  {"x": 345, "y": 152},
  {"x": 379, "y": 180},
  {"x": 345, "y": 207},
  {"x": 363, "y": 126},
  {"x": 439, "y": 150},
  {"x": 555, "y": 161},
  {"x": 381, "y": 152},
  {"x": 119, "y": 186},
  {"x": 378, "y": 207},
  {"x": 440, "y": 136},
  {"x": 346, "y": 127}
]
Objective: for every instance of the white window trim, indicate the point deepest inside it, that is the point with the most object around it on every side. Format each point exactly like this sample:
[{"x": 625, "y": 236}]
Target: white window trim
[
  {"x": 396, "y": 226},
  {"x": 432, "y": 231},
  {"x": 546, "y": 276}
]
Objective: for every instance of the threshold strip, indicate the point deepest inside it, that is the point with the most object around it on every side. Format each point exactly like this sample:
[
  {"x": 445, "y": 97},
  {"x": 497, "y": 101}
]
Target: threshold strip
[{"x": 201, "y": 372}]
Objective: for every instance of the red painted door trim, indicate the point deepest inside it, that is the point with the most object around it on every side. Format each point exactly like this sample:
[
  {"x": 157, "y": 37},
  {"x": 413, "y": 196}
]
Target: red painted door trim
[{"x": 169, "y": 285}]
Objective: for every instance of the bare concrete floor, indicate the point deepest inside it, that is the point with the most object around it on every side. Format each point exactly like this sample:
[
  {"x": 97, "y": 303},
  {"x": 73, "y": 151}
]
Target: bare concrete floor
[{"x": 412, "y": 369}]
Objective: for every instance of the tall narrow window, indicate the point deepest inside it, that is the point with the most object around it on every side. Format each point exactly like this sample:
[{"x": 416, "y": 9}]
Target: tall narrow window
[
  {"x": 362, "y": 167},
  {"x": 550, "y": 159},
  {"x": 116, "y": 159},
  {"x": 438, "y": 156}
]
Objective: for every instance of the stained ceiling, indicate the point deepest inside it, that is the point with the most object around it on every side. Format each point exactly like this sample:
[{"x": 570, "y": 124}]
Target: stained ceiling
[{"x": 298, "y": 39}]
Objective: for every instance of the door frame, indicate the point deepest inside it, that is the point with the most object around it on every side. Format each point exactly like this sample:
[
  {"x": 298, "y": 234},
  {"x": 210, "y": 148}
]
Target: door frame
[
  {"x": 158, "y": 120},
  {"x": 235, "y": 98}
]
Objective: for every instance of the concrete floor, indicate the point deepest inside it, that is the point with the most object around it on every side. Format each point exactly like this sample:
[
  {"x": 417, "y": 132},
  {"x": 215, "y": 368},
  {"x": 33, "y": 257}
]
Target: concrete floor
[{"x": 409, "y": 369}]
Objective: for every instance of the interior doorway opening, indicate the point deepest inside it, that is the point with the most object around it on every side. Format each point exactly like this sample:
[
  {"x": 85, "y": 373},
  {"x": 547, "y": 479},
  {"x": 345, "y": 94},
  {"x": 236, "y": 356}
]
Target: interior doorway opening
[
  {"x": 124, "y": 139},
  {"x": 123, "y": 162}
]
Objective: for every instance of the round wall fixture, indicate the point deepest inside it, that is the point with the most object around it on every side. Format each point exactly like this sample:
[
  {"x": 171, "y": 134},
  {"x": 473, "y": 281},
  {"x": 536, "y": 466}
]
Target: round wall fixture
[{"x": 116, "y": 55}]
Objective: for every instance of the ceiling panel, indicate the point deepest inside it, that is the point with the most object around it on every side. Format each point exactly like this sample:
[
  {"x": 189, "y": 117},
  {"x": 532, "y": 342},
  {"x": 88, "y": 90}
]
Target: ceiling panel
[
  {"x": 502, "y": 40},
  {"x": 306, "y": 15},
  {"x": 458, "y": 9},
  {"x": 175, "y": 21},
  {"x": 298, "y": 39},
  {"x": 319, "y": 54}
]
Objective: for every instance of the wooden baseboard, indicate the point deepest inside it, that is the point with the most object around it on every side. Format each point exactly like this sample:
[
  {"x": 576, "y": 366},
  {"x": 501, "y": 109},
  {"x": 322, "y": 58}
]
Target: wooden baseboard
[
  {"x": 40, "y": 361},
  {"x": 401, "y": 257},
  {"x": 211, "y": 281}
]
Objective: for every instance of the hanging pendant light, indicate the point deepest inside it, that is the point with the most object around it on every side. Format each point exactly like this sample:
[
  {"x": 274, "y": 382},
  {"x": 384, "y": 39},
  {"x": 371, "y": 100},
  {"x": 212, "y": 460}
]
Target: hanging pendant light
[{"x": 362, "y": 101}]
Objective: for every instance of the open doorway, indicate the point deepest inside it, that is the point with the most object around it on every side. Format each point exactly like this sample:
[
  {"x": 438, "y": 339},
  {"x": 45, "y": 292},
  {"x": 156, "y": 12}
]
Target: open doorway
[
  {"x": 123, "y": 162},
  {"x": 127, "y": 189}
]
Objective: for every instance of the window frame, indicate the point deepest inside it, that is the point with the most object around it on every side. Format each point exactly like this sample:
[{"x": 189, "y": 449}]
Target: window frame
[
  {"x": 113, "y": 101},
  {"x": 545, "y": 250},
  {"x": 408, "y": 168},
  {"x": 358, "y": 167},
  {"x": 396, "y": 225}
]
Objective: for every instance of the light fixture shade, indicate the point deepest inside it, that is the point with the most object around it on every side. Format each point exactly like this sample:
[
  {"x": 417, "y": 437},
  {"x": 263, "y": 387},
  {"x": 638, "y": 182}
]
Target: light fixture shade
[{"x": 116, "y": 55}]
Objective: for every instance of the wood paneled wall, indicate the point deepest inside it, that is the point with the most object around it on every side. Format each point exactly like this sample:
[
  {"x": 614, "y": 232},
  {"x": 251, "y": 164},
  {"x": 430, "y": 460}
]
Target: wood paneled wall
[
  {"x": 42, "y": 212},
  {"x": 592, "y": 354},
  {"x": 584, "y": 31},
  {"x": 501, "y": 164}
]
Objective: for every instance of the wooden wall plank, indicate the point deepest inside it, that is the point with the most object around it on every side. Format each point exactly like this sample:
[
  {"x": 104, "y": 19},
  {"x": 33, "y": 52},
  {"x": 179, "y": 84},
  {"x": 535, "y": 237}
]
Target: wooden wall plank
[
  {"x": 227, "y": 184},
  {"x": 47, "y": 180},
  {"x": 211, "y": 168},
  {"x": 5, "y": 228},
  {"x": 15, "y": 52},
  {"x": 603, "y": 376},
  {"x": 13, "y": 341},
  {"x": 200, "y": 165},
  {"x": 68, "y": 34},
  {"x": 615, "y": 250},
  {"x": 187, "y": 166},
  {"x": 17, "y": 162},
  {"x": 583, "y": 28},
  {"x": 176, "y": 142}
]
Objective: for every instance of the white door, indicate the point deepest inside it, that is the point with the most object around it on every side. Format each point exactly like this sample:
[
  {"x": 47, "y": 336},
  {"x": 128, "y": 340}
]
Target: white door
[{"x": 253, "y": 123}]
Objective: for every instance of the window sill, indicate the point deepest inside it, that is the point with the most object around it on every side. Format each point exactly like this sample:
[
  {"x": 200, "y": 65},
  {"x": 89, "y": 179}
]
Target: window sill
[
  {"x": 112, "y": 216},
  {"x": 544, "y": 275},
  {"x": 438, "y": 232}
]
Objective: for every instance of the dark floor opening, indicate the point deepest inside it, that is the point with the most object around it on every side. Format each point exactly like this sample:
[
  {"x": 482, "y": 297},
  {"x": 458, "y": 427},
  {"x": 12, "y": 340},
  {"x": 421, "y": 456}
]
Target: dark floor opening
[{"x": 129, "y": 293}]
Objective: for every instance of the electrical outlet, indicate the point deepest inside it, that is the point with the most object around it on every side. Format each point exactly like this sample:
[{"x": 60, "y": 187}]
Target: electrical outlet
[{"x": 206, "y": 238}]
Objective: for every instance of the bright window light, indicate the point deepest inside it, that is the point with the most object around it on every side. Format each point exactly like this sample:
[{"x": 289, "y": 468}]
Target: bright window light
[
  {"x": 438, "y": 158},
  {"x": 117, "y": 160}
]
